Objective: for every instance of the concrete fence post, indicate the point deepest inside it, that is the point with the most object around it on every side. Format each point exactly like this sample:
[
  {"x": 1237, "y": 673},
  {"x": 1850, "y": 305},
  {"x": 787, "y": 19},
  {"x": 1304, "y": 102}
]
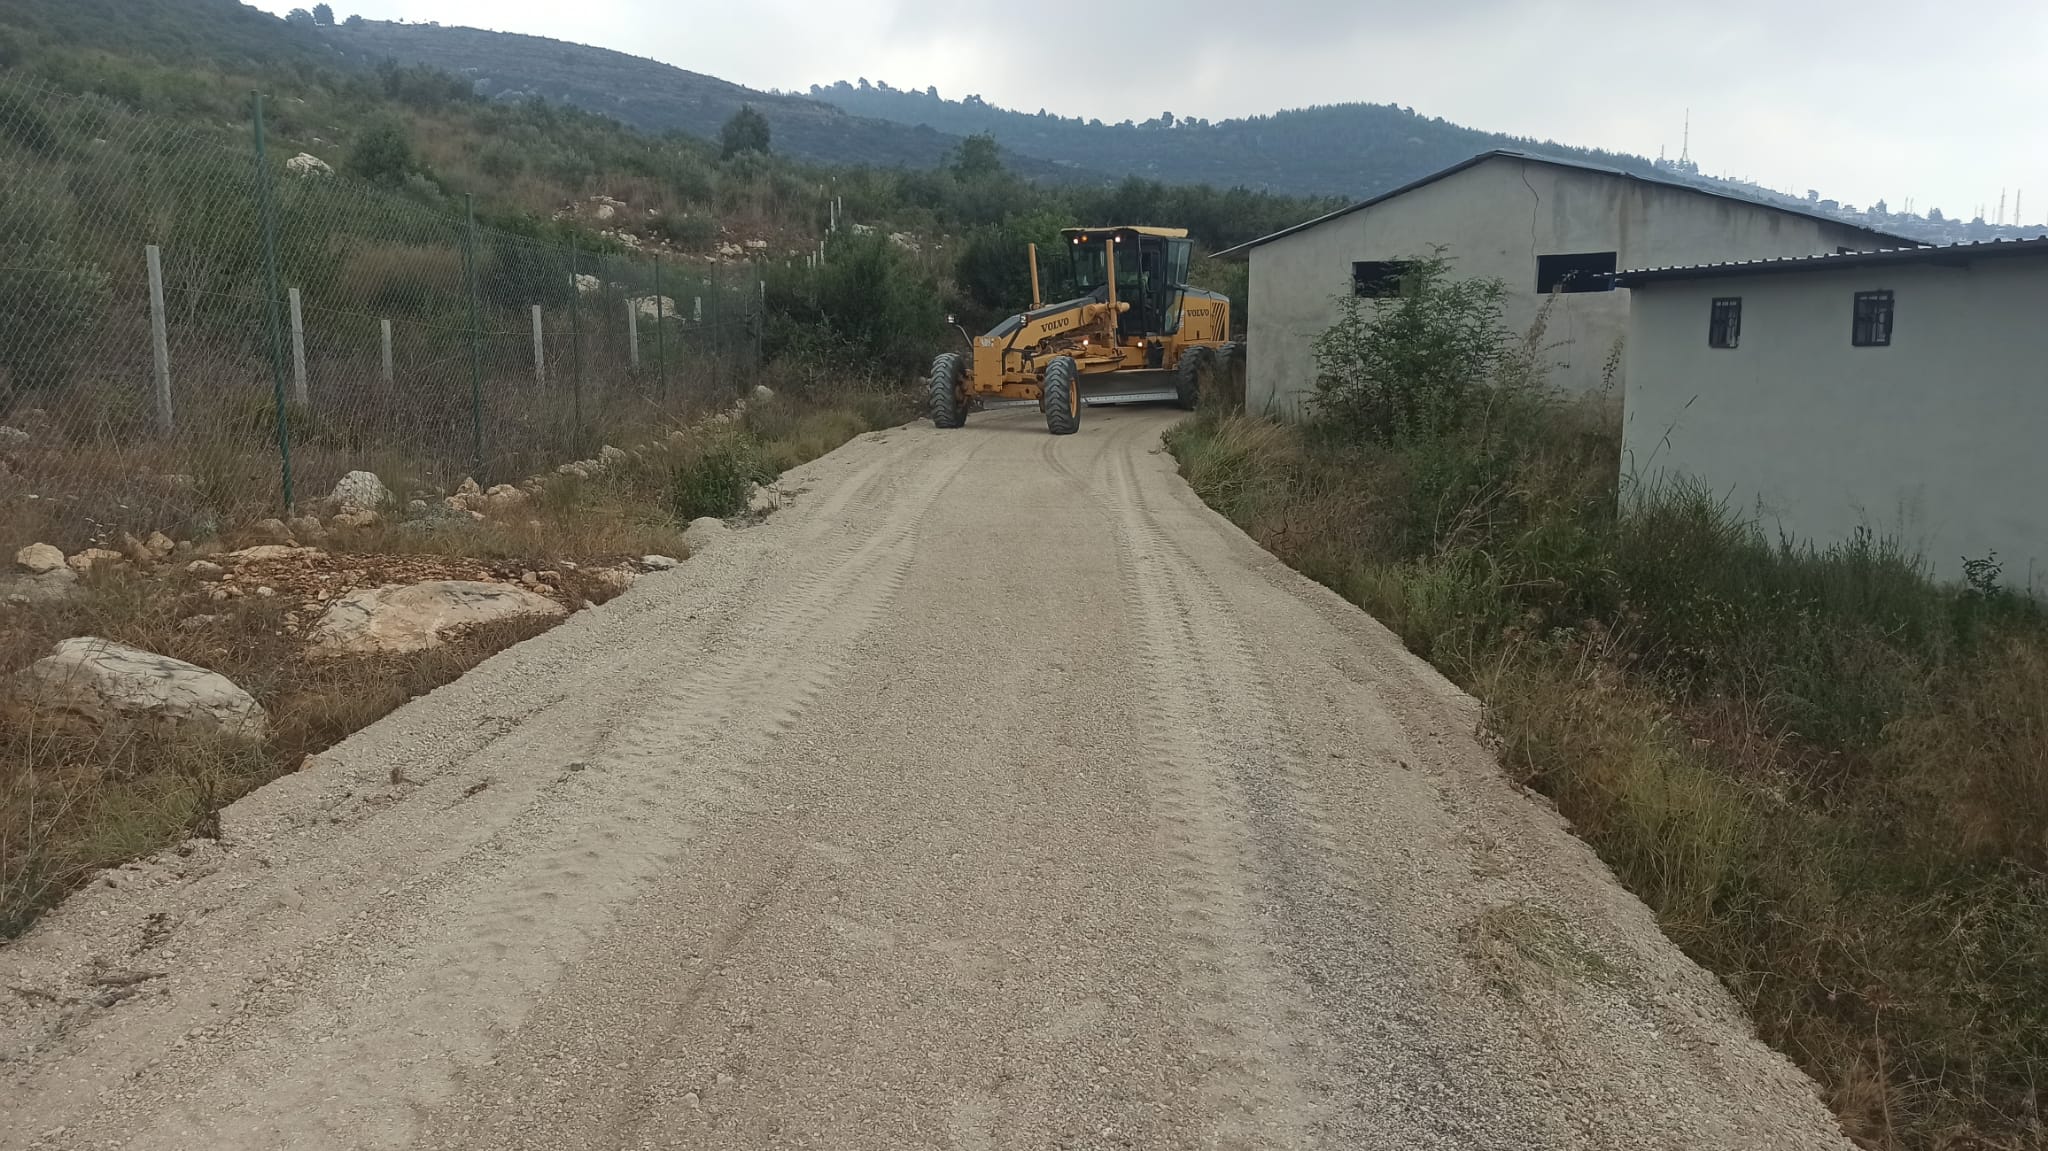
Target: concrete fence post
[
  {"x": 633, "y": 330},
  {"x": 300, "y": 396},
  {"x": 159, "y": 338},
  {"x": 386, "y": 360},
  {"x": 540, "y": 363}
]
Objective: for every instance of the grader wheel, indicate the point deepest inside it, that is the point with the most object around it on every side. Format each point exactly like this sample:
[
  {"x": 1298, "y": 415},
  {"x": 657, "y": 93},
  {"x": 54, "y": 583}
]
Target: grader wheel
[
  {"x": 949, "y": 407},
  {"x": 1061, "y": 397},
  {"x": 1193, "y": 377}
]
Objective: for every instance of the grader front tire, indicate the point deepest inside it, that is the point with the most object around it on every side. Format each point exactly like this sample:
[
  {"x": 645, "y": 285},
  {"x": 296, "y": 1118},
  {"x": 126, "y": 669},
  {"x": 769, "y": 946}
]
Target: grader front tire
[
  {"x": 1062, "y": 397},
  {"x": 949, "y": 407},
  {"x": 1193, "y": 376}
]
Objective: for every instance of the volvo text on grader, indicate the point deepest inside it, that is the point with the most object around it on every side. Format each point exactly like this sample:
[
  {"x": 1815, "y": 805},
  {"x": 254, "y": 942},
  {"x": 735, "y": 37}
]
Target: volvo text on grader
[{"x": 1135, "y": 331}]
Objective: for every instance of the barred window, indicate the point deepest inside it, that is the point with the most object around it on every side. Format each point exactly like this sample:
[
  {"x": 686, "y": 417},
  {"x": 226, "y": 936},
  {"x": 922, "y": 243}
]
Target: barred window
[
  {"x": 1724, "y": 329},
  {"x": 1873, "y": 325},
  {"x": 1377, "y": 279}
]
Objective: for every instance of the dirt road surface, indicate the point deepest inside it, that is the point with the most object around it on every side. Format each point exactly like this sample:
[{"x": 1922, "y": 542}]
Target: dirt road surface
[{"x": 996, "y": 794}]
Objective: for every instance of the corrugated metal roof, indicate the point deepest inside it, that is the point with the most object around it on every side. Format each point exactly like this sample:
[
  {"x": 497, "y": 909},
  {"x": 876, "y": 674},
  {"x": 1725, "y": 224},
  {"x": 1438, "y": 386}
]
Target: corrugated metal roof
[
  {"x": 1559, "y": 162},
  {"x": 1957, "y": 254}
]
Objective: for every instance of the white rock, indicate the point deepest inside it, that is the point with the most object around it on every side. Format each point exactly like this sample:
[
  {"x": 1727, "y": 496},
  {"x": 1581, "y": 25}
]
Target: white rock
[
  {"x": 413, "y": 617},
  {"x": 356, "y": 518},
  {"x": 12, "y": 437},
  {"x": 35, "y": 559},
  {"x": 103, "y": 681},
  {"x": 307, "y": 164},
  {"x": 505, "y": 500},
  {"x": 761, "y": 501},
  {"x": 360, "y": 491},
  {"x": 704, "y": 533},
  {"x": 204, "y": 569},
  {"x": 649, "y": 309},
  {"x": 763, "y": 393},
  {"x": 586, "y": 284},
  {"x": 307, "y": 529},
  {"x": 272, "y": 529},
  {"x": 664, "y": 563},
  {"x": 610, "y": 457},
  {"x": 160, "y": 545}
]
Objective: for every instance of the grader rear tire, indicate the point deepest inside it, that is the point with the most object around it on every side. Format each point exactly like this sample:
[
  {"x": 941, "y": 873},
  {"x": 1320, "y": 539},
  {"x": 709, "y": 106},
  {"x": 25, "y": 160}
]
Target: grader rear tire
[
  {"x": 1061, "y": 397},
  {"x": 949, "y": 407},
  {"x": 1230, "y": 376},
  {"x": 1192, "y": 377}
]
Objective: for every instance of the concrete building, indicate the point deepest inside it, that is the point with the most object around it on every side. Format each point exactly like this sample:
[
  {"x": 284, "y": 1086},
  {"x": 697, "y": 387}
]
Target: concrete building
[
  {"x": 1903, "y": 392},
  {"x": 1533, "y": 222}
]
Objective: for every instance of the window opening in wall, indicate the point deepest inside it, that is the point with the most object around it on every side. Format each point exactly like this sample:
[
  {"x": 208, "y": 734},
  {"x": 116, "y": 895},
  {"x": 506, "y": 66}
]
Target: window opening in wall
[
  {"x": 1377, "y": 279},
  {"x": 1724, "y": 330},
  {"x": 1873, "y": 325},
  {"x": 1575, "y": 272}
]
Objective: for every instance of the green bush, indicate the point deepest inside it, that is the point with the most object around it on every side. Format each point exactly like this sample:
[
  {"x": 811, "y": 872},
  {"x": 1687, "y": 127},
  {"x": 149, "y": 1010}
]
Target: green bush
[
  {"x": 1415, "y": 364},
  {"x": 715, "y": 478}
]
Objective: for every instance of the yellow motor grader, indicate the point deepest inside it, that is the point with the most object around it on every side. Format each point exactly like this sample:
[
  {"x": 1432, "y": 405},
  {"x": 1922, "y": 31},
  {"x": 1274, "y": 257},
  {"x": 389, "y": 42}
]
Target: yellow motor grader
[{"x": 1135, "y": 331}]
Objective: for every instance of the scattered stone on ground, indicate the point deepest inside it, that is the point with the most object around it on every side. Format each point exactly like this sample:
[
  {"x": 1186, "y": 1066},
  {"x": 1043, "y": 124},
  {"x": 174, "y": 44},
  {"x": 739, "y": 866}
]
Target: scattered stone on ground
[
  {"x": 659, "y": 563},
  {"x": 761, "y": 501},
  {"x": 136, "y": 551},
  {"x": 204, "y": 569},
  {"x": 413, "y": 617},
  {"x": 763, "y": 393},
  {"x": 266, "y": 552},
  {"x": 614, "y": 581},
  {"x": 307, "y": 164},
  {"x": 12, "y": 438},
  {"x": 37, "y": 559},
  {"x": 307, "y": 529},
  {"x": 504, "y": 500},
  {"x": 356, "y": 518},
  {"x": 85, "y": 561},
  {"x": 704, "y": 532},
  {"x": 43, "y": 578},
  {"x": 100, "y": 681},
  {"x": 359, "y": 491},
  {"x": 273, "y": 529},
  {"x": 160, "y": 545}
]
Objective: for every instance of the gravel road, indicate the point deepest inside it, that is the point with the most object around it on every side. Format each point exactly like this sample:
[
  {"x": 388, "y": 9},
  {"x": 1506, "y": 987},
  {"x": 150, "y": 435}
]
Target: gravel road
[{"x": 995, "y": 794}]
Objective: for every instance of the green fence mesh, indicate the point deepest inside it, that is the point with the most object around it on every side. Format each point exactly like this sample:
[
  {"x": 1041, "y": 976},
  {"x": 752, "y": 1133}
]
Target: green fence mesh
[{"x": 162, "y": 285}]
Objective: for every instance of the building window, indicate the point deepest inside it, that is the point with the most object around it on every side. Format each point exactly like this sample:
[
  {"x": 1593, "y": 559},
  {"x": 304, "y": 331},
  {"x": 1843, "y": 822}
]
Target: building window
[
  {"x": 1873, "y": 327},
  {"x": 1575, "y": 272},
  {"x": 1377, "y": 279},
  {"x": 1724, "y": 330}
]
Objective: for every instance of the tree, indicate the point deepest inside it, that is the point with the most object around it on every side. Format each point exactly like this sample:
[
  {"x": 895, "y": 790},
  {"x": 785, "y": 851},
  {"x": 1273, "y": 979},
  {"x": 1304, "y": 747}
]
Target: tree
[
  {"x": 1934, "y": 216},
  {"x": 299, "y": 16},
  {"x": 323, "y": 15},
  {"x": 355, "y": 20},
  {"x": 977, "y": 156},
  {"x": 747, "y": 131},
  {"x": 384, "y": 154}
]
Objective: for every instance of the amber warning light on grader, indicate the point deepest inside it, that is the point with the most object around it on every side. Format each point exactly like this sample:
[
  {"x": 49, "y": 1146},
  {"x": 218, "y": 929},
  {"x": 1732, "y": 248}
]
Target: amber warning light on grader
[{"x": 1133, "y": 330}]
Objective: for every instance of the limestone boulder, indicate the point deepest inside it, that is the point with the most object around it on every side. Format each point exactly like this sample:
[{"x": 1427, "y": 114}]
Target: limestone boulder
[
  {"x": 505, "y": 501},
  {"x": 414, "y": 617},
  {"x": 39, "y": 559},
  {"x": 103, "y": 682},
  {"x": 92, "y": 559},
  {"x": 359, "y": 492}
]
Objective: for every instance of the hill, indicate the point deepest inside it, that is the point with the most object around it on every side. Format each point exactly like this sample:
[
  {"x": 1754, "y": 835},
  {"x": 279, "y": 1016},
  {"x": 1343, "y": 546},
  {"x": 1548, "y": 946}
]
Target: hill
[
  {"x": 645, "y": 94},
  {"x": 1343, "y": 149}
]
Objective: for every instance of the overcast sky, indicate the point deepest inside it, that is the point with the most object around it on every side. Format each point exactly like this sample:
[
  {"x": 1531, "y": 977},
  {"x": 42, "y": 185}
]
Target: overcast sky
[{"x": 1940, "y": 102}]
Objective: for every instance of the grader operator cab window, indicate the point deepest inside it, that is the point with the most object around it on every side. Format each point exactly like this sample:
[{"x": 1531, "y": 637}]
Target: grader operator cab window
[{"x": 1151, "y": 271}]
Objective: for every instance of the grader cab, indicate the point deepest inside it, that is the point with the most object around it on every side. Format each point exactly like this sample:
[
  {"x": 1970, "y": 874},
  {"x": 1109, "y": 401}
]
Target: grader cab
[{"x": 1134, "y": 331}]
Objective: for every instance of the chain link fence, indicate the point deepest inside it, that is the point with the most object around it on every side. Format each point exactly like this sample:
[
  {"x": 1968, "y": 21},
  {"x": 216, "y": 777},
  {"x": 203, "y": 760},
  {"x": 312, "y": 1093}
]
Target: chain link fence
[{"x": 196, "y": 330}]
